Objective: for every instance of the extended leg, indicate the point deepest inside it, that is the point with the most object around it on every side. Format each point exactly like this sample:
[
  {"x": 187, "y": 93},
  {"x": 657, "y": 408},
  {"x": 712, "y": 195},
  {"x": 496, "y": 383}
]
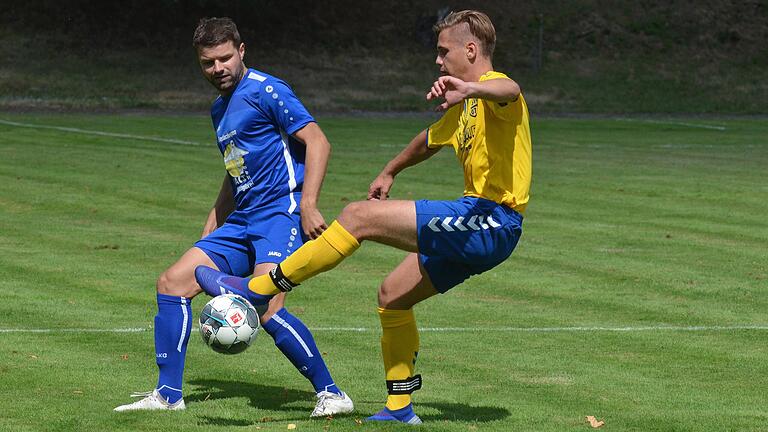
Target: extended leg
[{"x": 389, "y": 222}]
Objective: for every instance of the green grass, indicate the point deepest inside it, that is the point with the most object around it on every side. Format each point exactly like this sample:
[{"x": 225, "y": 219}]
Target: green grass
[{"x": 633, "y": 223}]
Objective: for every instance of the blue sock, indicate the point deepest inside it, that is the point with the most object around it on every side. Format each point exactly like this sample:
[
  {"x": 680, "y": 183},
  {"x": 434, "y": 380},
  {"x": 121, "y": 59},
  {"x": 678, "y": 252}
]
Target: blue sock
[
  {"x": 173, "y": 323},
  {"x": 295, "y": 341}
]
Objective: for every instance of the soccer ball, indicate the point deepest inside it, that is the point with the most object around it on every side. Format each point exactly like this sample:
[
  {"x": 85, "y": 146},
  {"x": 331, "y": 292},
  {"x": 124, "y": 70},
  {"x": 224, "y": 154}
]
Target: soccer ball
[{"x": 229, "y": 324}]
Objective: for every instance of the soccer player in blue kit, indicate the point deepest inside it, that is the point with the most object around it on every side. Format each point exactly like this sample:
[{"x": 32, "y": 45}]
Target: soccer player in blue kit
[{"x": 275, "y": 156}]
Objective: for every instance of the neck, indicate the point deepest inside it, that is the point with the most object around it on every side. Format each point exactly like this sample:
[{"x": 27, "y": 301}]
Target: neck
[
  {"x": 478, "y": 69},
  {"x": 240, "y": 78}
]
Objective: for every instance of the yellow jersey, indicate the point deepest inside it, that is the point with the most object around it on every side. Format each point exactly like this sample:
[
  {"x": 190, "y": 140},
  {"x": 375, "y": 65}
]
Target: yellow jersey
[{"x": 493, "y": 143}]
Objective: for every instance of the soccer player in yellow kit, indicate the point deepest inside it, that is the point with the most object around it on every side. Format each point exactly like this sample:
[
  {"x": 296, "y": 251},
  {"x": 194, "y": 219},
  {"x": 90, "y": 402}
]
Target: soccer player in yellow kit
[{"x": 486, "y": 123}]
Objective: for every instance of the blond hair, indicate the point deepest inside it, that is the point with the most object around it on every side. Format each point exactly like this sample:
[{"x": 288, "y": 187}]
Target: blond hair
[{"x": 480, "y": 26}]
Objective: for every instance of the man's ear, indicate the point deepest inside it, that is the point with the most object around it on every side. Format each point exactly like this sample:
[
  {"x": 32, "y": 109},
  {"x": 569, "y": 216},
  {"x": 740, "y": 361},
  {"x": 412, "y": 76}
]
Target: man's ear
[
  {"x": 471, "y": 50},
  {"x": 241, "y": 50}
]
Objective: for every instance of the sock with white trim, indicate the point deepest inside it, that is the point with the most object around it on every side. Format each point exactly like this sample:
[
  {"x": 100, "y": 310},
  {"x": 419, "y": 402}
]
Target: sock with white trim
[
  {"x": 295, "y": 341},
  {"x": 173, "y": 324}
]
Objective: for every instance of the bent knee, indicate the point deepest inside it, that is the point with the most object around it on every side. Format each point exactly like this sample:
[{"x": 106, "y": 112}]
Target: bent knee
[
  {"x": 168, "y": 284},
  {"x": 356, "y": 219},
  {"x": 388, "y": 296},
  {"x": 274, "y": 306},
  {"x": 351, "y": 214}
]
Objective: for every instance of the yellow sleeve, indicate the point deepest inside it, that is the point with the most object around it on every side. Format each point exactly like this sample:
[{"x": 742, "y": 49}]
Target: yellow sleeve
[
  {"x": 502, "y": 110},
  {"x": 443, "y": 131},
  {"x": 506, "y": 111}
]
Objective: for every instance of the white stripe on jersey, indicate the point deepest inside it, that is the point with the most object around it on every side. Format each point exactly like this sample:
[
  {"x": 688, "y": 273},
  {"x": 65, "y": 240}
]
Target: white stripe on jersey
[
  {"x": 291, "y": 173},
  {"x": 257, "y": 77}
]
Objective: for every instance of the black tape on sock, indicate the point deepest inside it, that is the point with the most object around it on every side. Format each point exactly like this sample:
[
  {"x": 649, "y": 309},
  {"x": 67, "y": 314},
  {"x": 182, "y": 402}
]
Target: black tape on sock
[
  {"x": 281, "y": 282},
  {"x": 406, "y": 386}
]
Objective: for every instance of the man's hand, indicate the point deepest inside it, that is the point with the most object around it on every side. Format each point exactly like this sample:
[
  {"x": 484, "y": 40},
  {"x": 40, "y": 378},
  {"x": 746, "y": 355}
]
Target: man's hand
[
  {"x": 210, "y": 224},
  {"x": 379, "y": 188},
  {"x": 312, "y": 222},
  {"x": 451, "y": 89}
]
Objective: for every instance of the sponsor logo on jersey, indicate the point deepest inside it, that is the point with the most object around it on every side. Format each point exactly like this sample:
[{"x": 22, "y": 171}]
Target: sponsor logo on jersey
[
  {"x": 473, "y": 107},
  {"x": 227, "y": 135},
  {"x": 274, "y": 254},
  {"x": 465, "y": 138},
  {"x": 234, "y": 162}
]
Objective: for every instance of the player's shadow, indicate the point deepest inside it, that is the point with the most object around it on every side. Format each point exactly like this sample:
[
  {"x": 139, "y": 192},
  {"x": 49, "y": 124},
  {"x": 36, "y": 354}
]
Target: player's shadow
[
  {"x": 462, "y": 412},
  {"x": 283, "y": 399},
  {"x": 259, "y": 396}
]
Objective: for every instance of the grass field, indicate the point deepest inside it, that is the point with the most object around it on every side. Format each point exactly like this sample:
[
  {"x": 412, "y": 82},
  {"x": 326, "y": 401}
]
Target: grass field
[{"x": 638, "y": 293}]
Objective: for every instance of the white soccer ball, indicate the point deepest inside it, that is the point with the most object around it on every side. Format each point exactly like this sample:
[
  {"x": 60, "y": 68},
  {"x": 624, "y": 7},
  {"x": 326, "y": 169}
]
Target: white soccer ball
[{"x": 229, "y": 324}]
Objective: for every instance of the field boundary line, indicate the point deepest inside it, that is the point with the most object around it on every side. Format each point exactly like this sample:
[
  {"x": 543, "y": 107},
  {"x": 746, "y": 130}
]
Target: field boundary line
[
  {"x": 587, "y": 329},
  {"x": 99, "y": 133},
  {"x": 673, "y": 123}
]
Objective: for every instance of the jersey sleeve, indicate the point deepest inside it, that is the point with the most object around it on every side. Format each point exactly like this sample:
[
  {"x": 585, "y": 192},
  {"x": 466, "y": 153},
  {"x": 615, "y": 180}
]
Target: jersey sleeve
[
  {"x": 502, "y": 110},
  {"x": 280, "y": 103},
  {"x": 506, "y": 111},
  {"x": 443, "y": 131}
]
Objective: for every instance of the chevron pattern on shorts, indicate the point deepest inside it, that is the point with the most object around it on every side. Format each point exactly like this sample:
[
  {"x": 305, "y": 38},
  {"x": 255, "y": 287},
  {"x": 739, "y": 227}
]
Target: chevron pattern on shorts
[{"x": 451, "y": 224}]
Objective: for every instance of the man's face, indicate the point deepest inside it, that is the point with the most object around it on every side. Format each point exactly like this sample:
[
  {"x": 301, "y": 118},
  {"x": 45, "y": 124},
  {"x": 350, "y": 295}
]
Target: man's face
[
  {"x": 452, "y": 52},
  {"x": 222, "y": 65}
]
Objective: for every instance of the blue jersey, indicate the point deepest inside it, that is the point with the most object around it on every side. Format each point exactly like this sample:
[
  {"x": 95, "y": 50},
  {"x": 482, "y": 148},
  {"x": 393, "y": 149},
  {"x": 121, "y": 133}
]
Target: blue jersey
[{"x": 254, "y": 127}]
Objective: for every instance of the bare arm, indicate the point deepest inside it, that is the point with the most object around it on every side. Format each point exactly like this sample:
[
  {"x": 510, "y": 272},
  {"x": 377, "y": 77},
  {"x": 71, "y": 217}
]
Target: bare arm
[
  {"x": 416, "y": 152},
  {"x": 224, "y": 205},
  {"x": 454, "y": 90},
  {"x": 316, "y": 163}
]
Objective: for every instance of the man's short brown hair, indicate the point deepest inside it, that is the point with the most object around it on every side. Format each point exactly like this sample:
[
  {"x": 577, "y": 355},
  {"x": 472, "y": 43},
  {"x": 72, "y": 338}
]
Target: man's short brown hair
[
  {"x": 214, "y": 31},
  {"x": 480, "y": 26}
]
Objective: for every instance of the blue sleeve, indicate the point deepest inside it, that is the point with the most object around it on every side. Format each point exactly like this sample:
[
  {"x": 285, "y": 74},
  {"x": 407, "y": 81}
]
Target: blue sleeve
[{"x": 282, "y": 106}]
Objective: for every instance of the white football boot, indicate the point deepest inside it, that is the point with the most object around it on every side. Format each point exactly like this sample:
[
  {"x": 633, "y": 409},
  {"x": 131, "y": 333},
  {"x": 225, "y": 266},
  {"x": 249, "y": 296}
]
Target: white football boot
[
  {"x": 152, "y": 401},
  {"x": 329, "y": 404}
]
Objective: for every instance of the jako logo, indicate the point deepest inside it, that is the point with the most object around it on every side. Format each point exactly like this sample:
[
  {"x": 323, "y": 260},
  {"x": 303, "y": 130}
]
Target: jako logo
[
  {"x": 162, "y": 355},
  {"x": 273, "y": 253}
]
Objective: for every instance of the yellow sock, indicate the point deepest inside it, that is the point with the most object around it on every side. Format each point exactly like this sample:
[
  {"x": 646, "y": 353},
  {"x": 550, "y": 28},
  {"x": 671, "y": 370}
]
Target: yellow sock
[
  {"x": 315, "y": 256},
  {"x": 399, "y": 348}
]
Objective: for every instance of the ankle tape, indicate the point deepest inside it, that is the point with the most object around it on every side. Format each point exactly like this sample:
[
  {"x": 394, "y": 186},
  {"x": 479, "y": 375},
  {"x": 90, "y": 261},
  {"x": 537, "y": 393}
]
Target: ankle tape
[
  {"x": 404, "y": 386},
  {"x": 281, "y": 282}
]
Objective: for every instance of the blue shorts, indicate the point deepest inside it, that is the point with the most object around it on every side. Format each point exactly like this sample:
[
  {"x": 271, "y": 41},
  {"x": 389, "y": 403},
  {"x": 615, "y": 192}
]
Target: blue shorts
[
  {"x": 266, "y": 235},
  {"x": 458, "y": 239}
]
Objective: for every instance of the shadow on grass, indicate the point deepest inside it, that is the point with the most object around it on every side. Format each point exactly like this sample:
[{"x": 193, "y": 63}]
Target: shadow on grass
[
  {"x": 220, "y": 421},
  {"x": 462, "y": 412},
  {"x": 453, "y": 412},
  {"x": 275, "y": 398},
  {"x": 262, "y": 397}
]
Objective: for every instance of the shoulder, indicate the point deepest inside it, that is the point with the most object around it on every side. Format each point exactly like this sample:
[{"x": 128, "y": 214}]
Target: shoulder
[
  {"x": 264, "y": 86},
  {"x": 502, "y": 110},
  {"x": 490, "y": 75}
]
